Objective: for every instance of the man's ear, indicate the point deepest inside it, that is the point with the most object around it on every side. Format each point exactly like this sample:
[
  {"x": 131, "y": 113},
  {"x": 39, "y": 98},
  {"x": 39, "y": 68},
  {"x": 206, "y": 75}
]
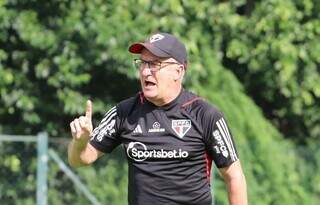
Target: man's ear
[{"x": 179, "y": 73}]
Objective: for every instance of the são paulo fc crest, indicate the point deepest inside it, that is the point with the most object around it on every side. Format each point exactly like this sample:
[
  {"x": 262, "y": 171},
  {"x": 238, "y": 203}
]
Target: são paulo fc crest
[{"x": 181, "y": 127}]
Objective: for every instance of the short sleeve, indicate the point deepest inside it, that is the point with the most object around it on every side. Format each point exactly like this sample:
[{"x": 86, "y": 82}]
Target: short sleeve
[
  {"x": 105, "y": 137},
  {"x": 219, "y": 141}
]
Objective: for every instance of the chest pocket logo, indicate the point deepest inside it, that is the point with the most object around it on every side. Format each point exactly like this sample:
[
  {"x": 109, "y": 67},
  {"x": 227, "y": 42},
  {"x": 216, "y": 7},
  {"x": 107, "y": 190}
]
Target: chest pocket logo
[{"x": 181, "y": 127}]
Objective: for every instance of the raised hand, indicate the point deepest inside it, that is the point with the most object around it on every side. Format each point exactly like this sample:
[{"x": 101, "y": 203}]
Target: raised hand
[{"x": 81, "y": 127}]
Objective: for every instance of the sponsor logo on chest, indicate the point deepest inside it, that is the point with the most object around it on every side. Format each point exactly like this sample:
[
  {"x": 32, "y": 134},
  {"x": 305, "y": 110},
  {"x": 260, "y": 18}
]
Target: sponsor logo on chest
[
  {"x": 156, "y": 127},
  {"x": 181, "y": 127},
  {"x": 139, "y": 152}
]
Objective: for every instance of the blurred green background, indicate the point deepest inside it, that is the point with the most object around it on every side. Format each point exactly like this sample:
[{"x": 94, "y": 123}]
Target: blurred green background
[{"x": 258, "y": 61}]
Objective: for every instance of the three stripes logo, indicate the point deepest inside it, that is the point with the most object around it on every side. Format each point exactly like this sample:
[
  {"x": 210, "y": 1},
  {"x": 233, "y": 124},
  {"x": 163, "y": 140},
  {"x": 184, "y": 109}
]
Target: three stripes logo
[
  {"x": 137, "y": 130},
  {"x": 224, "y": 141}
]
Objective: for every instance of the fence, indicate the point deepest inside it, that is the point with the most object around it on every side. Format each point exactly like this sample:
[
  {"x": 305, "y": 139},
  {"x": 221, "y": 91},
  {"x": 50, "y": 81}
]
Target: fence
[{"x": 43, "y": 155}]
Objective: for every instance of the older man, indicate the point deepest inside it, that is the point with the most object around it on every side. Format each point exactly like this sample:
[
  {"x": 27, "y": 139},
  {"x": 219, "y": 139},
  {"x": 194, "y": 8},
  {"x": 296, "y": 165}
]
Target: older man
[{"x": 170, "y": 135}]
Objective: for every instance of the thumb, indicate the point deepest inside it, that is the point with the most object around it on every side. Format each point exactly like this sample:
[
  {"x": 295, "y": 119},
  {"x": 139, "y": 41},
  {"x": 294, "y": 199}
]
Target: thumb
[{"x": 89, "y": 109}]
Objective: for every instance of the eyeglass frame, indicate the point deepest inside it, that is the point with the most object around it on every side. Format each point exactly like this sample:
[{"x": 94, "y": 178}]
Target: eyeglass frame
[{"x": 153, "y": 66}]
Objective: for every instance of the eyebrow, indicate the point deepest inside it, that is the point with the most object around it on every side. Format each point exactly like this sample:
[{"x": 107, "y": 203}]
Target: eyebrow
[{"x": 156, "y": 60}]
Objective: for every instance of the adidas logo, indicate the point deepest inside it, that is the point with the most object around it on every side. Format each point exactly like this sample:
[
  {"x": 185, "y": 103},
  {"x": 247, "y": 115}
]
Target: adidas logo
[{"x": 137, "y": 130}]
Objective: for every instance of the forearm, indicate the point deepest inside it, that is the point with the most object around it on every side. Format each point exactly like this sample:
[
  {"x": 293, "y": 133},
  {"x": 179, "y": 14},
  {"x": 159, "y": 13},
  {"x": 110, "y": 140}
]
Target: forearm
[
  {"x": 75, "y": 153},
  {"x": 237, "y": 190}
]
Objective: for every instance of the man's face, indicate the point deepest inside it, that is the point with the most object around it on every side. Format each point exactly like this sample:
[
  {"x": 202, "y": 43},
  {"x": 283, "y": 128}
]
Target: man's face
[{"x": 157, "y": 84}]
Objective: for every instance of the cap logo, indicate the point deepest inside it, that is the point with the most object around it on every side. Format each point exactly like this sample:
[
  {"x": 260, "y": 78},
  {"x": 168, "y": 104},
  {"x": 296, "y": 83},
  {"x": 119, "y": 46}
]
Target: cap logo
[{"x": 156, "y": 37}]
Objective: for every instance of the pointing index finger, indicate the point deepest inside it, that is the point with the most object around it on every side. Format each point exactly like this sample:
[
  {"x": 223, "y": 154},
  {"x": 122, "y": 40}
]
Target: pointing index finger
[{"x": 89, "y": 109}]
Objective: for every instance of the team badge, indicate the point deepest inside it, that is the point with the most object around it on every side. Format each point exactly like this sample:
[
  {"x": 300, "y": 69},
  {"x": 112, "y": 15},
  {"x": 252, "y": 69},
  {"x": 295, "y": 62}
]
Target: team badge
[
  {"x": 156, "y": 37},
  {"x": 181, "y": 127}
]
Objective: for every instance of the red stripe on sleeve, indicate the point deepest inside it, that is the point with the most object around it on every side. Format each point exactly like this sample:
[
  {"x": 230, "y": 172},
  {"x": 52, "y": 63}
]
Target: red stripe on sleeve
[{"x": 208, "y": 166}]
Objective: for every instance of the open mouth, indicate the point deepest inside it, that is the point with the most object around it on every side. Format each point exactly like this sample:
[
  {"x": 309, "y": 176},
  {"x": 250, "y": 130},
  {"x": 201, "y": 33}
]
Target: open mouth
[{"x": 148, "y": 83}]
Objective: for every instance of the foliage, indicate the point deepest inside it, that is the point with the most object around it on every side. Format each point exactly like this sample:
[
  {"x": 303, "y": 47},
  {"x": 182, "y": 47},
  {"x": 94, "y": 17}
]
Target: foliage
[
  {"x": 274, "y": 51},
  {"x": 54, "y": 55},
  {"x": 17, "y": 181},
  {"x": 107, "y": 181}
]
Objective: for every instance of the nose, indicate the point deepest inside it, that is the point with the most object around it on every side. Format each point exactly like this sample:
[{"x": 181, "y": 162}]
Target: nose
[{"x": 145, "y": 70}]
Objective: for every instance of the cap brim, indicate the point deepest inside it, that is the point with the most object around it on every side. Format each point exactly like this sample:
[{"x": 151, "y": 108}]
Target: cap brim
[{"x": 138, "y": 47}]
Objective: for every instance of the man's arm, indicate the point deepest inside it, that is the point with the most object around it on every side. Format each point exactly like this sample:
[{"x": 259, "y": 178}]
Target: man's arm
[
  {"x": 82, "y": 154},
  {"x": 236, "y": 183},
  {"x": 80, "y": 151}
]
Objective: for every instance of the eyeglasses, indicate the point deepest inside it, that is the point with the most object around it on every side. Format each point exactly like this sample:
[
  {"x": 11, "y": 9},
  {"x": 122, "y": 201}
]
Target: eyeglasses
[{"x": 154, "y": 66}]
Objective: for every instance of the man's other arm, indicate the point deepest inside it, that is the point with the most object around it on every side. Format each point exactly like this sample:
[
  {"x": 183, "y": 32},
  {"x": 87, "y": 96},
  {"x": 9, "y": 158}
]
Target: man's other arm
[{"x": 236, "y": 183}]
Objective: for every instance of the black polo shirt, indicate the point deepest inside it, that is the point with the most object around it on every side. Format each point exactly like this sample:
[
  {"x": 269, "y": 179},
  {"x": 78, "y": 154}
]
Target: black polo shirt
[{"x": 169, "y": 148}]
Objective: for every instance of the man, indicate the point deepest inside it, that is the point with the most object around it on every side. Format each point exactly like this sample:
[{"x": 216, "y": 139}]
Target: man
[{"x": 170, "y": 135}]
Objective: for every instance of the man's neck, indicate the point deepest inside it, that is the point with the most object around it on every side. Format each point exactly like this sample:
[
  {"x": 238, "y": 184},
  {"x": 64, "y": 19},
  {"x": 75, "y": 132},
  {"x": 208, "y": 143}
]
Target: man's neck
[{"x": 167, "y": 99}]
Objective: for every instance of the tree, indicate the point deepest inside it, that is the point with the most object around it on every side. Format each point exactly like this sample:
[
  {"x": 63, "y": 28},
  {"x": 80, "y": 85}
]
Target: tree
[
  {"x": 55, "y": 55},
  {"x": 274, "y": 52}
]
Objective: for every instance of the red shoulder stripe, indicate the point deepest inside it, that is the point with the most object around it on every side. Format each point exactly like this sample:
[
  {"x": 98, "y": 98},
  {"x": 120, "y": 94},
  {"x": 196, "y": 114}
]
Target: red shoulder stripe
[{"x": 190, "y": 101}]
